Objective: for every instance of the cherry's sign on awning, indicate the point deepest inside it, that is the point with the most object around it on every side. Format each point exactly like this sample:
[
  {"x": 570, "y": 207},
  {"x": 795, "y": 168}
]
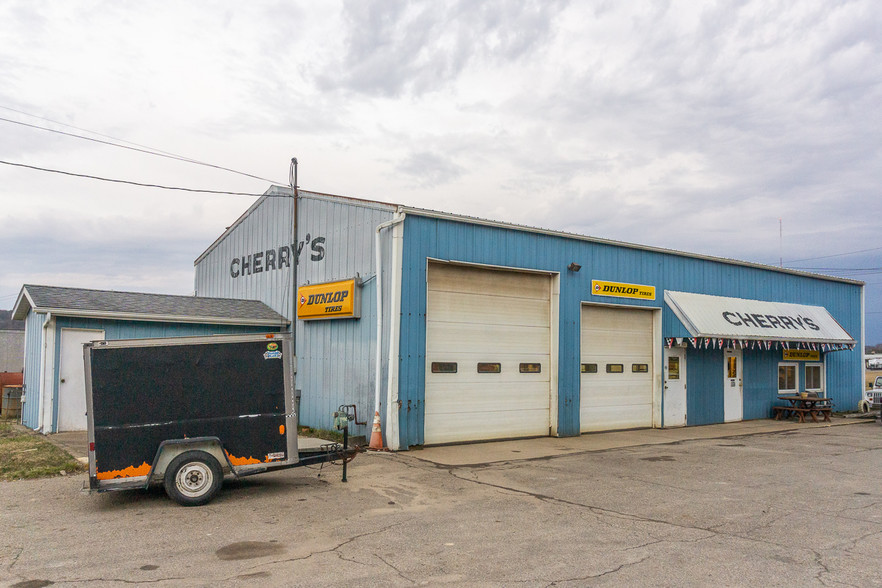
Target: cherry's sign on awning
[{"x": 739, "y": 318}]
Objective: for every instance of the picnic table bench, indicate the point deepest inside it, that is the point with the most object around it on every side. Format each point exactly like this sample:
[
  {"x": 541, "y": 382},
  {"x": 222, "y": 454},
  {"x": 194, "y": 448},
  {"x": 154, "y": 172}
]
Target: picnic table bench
[{"x": 800, "y": 406}]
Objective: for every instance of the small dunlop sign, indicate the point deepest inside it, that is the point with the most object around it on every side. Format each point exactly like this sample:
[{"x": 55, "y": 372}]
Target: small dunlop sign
[
  {"x": 802, "y": 355},
  {"x": 600, "y": 288},
  {"x": 332, "y": 300}
]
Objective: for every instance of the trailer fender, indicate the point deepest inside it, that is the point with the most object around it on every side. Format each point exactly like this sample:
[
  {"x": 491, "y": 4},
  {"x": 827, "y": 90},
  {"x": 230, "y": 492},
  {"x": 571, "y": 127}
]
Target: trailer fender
[{"x": 171, "y": 448}]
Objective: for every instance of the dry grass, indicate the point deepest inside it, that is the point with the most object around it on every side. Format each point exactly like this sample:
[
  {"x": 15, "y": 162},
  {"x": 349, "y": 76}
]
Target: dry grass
[{"x": 25, "y": 455}]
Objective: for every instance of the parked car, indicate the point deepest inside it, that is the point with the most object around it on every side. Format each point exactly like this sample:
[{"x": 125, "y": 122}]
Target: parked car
[{"x": 872, "y": 399}]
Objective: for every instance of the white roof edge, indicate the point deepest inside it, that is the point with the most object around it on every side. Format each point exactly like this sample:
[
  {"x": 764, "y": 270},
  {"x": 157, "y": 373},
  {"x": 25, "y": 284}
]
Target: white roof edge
[
  {"x": 273, "y": 190},
  {"x": 576, "y": 236},
  {"x": 360, "y": 202},
  {"x": 377, "y": 205},
  {"x": 22, "y": 296},
  {"x": 157, "y": 318}
]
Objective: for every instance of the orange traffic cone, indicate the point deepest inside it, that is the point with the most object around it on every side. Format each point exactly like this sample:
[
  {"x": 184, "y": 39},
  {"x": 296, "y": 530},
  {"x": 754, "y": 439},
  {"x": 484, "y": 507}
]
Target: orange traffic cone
[{"x": 376, "y": 434}]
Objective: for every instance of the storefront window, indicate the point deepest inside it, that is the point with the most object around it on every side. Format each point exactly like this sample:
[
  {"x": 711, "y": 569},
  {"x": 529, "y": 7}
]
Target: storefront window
[
  {"x": 814, "y": 380},
  {"x": 787, "y": 377}
]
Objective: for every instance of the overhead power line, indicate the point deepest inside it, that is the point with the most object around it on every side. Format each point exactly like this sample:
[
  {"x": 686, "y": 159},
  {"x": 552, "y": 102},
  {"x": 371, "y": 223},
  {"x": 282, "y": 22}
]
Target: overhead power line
[
  {"x": 834, "y": 255},
  {"x": 117, "y": 181},
  {"x": 137, "y": 147}
]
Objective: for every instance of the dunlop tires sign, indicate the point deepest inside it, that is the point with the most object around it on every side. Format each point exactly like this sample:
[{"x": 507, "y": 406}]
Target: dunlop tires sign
[
  {"x": 620, "y": 290},
  {"x": 802, "y": 355},
  {"x": 331, "y": 300}
]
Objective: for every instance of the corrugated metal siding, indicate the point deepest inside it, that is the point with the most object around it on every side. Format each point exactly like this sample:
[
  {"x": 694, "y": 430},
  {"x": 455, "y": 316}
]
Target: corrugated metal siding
[
  {"x": 268, "y": 227},
  {"x": 30, "y": 410},
  {"x": 148, "y": 330},
  {"x": 704, "y": 386},
  {"x": 335, "y": 358},
  {"x": 445, "y": 239},
  {"x": 760, "y": 377}
]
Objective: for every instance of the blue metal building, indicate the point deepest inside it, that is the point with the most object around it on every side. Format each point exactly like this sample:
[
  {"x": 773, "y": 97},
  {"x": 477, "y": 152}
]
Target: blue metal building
[
  {"x": 59, "y": 320},
  {"x": 488, "y": 330}
]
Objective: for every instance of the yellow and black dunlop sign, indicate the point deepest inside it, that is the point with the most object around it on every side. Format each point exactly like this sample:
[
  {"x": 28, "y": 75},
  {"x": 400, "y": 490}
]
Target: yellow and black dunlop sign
[
  {"x": 802, "y": 355},
  {"x": 600, "y": 288},
  {"x": 331, "y": 300}
]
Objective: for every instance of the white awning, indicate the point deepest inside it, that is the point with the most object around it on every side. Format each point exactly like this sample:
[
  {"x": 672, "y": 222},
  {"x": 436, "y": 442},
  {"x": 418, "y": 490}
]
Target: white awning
[{"x": 738, "y": 318}]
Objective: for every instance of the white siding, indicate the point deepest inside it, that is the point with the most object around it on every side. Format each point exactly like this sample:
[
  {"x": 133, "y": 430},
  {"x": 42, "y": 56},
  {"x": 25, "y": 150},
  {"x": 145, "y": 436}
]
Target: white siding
[
  {"x": 268, "y": 226},
  {"x": 335, "y": 358}
]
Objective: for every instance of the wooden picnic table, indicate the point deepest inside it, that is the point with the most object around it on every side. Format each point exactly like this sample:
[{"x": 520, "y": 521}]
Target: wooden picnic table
[{"x": 799, "y": 406}]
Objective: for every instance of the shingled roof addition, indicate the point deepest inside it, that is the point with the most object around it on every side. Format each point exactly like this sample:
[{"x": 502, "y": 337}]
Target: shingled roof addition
[{"x": 81, "y": 301}]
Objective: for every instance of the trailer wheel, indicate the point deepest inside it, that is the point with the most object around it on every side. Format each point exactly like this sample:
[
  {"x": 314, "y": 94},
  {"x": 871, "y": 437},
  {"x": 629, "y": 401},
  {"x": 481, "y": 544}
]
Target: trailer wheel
[{"x": 193, "y": 478}]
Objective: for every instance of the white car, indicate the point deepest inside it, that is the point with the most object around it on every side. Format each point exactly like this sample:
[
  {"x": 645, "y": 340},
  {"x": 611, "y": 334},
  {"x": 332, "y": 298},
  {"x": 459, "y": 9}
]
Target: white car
[{"x": 872, "y": 397}]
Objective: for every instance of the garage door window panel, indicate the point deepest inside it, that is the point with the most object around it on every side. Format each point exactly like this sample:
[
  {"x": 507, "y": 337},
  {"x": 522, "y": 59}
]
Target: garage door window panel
[
  {"x": 489, "y": 368},
  {"x": 444, "y": 367}
]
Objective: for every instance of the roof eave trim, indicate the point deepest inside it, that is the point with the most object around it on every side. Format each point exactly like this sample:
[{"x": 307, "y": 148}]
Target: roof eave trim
[
  {"x": 776, "y": 339},
  {"x": 601, "y": 241},
  {"x": 22, "y": 297},
  {"x": 164, "y": 318}
]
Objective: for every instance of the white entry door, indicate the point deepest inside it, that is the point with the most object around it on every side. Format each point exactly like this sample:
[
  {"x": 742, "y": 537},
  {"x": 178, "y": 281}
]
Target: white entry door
[
  {"x": 675, "y": 387},
  {"x": 733, "y": 397},
  {"x": 72, "y": 379}
]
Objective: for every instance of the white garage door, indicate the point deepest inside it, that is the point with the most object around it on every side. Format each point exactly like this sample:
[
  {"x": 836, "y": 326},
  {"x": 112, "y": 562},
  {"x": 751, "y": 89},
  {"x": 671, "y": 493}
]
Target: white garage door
[
  {"x": 488, "y": 341},
  {"x": 617, "y": 371}
]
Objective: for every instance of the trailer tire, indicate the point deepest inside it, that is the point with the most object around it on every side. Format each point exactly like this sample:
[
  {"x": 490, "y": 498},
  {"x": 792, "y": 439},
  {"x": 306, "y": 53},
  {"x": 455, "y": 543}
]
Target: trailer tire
[{"x": 193, "y": 478}]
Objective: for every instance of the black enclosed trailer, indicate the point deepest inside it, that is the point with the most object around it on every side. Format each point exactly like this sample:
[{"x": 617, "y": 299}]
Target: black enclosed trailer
[{"x": 185, "y": 411}]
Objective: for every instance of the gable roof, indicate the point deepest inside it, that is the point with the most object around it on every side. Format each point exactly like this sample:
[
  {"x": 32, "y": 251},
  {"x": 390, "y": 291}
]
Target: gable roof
[{"x": 140, "y": 306}]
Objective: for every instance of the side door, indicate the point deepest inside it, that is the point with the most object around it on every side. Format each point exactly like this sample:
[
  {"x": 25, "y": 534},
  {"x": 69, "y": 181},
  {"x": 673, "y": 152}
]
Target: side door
[
  {"x": 675, "y": 387},
  {"x": 72, "y": 379},
  {"x": 733, "y": 395}
]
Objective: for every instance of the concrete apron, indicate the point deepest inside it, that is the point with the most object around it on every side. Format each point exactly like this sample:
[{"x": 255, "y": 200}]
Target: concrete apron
[
  {"x": 544, "y": 447},
  {"x": 75, "y": 442}
]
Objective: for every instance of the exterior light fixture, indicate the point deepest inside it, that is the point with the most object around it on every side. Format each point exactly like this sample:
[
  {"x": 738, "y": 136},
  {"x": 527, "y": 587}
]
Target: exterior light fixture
[{"x": 574, "y": 267}]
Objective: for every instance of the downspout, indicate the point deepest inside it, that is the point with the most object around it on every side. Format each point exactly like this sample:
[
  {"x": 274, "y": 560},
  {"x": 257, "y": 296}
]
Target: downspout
[{"x": 399, "y": 217}]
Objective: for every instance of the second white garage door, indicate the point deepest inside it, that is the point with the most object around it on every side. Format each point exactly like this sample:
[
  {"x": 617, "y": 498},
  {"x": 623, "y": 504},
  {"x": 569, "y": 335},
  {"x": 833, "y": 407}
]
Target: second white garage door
[
  {"x": 488, "y": 341},
  {"x": 617, "y": 370}
]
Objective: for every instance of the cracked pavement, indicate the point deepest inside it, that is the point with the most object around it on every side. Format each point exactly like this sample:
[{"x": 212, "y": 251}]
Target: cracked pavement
[{"x": 777, "y": 509}]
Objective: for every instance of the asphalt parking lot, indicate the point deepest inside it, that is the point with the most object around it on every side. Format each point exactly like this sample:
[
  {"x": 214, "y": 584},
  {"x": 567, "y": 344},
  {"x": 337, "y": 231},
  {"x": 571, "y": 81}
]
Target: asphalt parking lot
[{"x": 790, "y": 506}]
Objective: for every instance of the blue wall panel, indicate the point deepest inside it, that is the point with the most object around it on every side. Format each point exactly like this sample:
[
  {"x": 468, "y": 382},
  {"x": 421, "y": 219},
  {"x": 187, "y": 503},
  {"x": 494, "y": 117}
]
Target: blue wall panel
[
  {"x": 704, "y": 386},
  {"x": 760, "y": 382},
  {"x": 444, "y": 239}
]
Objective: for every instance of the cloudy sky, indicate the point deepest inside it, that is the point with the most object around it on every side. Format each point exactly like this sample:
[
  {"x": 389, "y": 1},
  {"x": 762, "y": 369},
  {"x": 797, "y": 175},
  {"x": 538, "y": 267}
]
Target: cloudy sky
[{"x": 694, "y": 126}]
